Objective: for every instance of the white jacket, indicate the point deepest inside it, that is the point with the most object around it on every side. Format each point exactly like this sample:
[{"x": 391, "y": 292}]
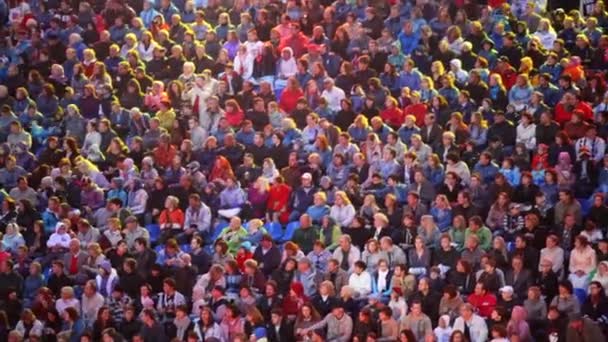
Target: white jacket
[
  {"x": 477, "y": 327},
  {"x": 146, "y": 54},
  {"x": 546, "y": 38},
  {"x": 112, "y": 281},
  {"x": 343, "y": 215},
  {"x": 527, "y": 135},
  {"x": 36, "y": 329},
  {"x": 334, "y": 97},
  {"x": 361, "y": 283},
  {"x": 203, "y": 93},
  {"x": 243, "y": 65},
  {"x": 288, "y": 68},
  {"x": 63, "y": 240}
]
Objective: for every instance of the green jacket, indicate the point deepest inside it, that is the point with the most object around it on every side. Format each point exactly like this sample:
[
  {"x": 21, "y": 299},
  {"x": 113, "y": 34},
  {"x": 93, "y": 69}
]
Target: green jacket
[
  {"x": 336, "y": 233},
  {"x": 305, "y": 238},
  {"x": 483, "y": 234},
  {"x": 233, "y": 238}
]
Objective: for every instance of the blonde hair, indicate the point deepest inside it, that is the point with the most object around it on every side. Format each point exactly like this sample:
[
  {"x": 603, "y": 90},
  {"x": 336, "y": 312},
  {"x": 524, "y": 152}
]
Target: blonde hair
[
  {"x": 321, "y": 195},
  {"x": 329, "y": 286},
  {"x": 343, "y": 196}
]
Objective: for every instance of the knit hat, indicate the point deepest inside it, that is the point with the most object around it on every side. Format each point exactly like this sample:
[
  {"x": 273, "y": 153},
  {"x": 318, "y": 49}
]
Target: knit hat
[
  {"x": 259, "y": 332},
  {"x": 106, "y": 266},
  {"x": 247, "y": 246}
]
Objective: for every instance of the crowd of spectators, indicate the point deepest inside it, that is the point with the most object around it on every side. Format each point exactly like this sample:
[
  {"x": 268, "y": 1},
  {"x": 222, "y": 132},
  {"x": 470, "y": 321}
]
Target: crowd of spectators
[{"x": 303, "y": 170}]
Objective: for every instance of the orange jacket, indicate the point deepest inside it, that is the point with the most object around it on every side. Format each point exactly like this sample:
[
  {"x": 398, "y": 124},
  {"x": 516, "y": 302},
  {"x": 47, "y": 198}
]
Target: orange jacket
[{"x": 173, "y": 219}]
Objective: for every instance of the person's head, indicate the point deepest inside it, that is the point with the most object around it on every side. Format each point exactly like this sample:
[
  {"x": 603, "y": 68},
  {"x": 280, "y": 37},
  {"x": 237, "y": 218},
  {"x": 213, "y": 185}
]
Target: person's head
[{"x": 416, "y": 308}]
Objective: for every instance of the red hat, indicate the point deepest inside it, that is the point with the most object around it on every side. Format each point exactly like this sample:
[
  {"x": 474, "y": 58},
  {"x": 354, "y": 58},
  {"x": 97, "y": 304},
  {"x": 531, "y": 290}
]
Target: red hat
[{"x": 313, "y": 47}]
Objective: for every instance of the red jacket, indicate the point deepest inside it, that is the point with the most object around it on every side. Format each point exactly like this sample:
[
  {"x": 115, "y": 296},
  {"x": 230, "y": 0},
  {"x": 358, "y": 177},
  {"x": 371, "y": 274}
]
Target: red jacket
[
  {"x": 171, "y": 219},
  {"x": 562, "y": 115},
  {"x": 298, "y": 44},
  {"x": 291, "y": 305},
  {"x": 417, "y": 110},
  {"x": 163, "y": 156},
  {"x": 235, "y": 119},
  {"x": 289, "y": 99},
  {"x": 509, "y": 76},
  {"x": 278, "y": 198},
  {"x": 484, "y": 304},
  {"x": 496, "y": 3},
  {"x": 241, "y": 258},
  {"x": 542, "y": 159},
  {"x": 393, "y": 117}
]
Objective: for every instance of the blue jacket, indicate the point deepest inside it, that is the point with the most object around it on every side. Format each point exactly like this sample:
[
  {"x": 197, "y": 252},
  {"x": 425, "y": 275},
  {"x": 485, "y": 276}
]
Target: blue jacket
[
  {"x": 301, "y": 199},
  {"x": 291, "y": 136},
  {"x": 31, "y": 285},
  {"x": 409, "y": 42},
  {"x": 554, "y": 70},
  {"x": 232, "y": 197},
  {"x": 169, "y": 12},
  {"x": 450, "y": 94},
  {"x": 487, "y": 172},
  {"x": 520, "y": 94},
  {"x": 147, "y": 16},
  {"x": 394, "y": 25},
  {"x": 47, "y": 105},
  {"x": 443, "y": 218},
  {"x": 410, "y": 79},
  {"x": 358, "y": 134},
  {"x": 551, "y": 94},
  {"x": 405, "y": 133},
  {"x": 332, "y": 63},
  {"x": 342, "y": 9},
  {"x": 513, "y": 175},
  {"x": 435, "y": 176},
  {"x": 317, "y": 213},
  {"x": 400, "y": 192},
  {"x": 338, "y": 175}
]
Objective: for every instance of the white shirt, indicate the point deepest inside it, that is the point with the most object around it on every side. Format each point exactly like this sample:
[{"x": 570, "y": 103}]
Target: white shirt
[
  {"x": 343, "y": 215},
  {"x": 334, "y": 97},
  {"x": 361, "y": 283},
  {"x": 597, "y": 147},
  {"x": 382, "y": 280},
  {"x": 243, "y": 65},
  {"x": 477, "y": 328},
  {"x": 254, "y": 48},
  {"x": 527, "y": 135},
  {"x": 147, "y": 54},
  {"x": 556, "y": 255}
]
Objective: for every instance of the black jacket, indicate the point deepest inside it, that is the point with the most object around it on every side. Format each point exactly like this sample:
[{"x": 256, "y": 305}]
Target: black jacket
[
  {"x": 546, "y": 134},
  {"x": 285, "y": 332},
  {"x": 505, "y": 131},
  {"x": 269, "y": 261}
]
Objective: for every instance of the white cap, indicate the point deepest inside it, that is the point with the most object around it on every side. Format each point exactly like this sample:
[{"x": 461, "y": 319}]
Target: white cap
[{"x": 507, "y": 289}]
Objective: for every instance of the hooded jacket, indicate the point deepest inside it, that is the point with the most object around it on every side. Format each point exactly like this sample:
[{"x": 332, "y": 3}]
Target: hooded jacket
[{"x": 58, "y": 238}]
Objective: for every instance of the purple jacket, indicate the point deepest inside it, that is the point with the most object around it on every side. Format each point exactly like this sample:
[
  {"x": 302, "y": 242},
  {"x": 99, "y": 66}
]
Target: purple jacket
[{"x": 92, "y": 198}]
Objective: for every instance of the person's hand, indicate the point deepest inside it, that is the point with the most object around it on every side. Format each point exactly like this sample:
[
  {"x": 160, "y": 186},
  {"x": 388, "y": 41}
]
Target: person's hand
[{"x": 155, "y": 212}]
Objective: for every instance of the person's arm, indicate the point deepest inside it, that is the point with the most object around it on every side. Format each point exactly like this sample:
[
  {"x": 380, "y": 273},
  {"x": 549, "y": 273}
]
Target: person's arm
[
  {"x": 318, "y": 325},
  {"x": 346, "y": 330}
]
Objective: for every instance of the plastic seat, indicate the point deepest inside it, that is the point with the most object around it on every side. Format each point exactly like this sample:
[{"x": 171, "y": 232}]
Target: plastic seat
[
  {"x": 275, "y": 230},
  {"x": 185, "y": 248},
  {"x": 580, "y": 294},
  {"x": 217, "y": 230},
  {"x": 290, "y": 230},
  {"x": 154, "y": 230}
]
